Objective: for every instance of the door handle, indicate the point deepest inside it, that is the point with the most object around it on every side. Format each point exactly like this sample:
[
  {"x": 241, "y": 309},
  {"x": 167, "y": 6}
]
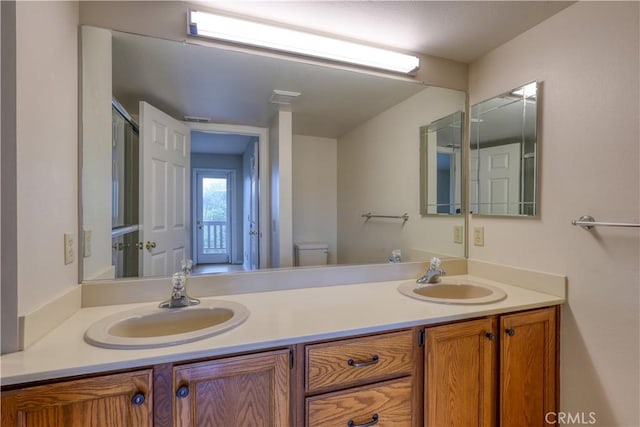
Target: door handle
[
  {"x": 150, "y": 245},
  {"x": 139, "y": 245},
  {"x": 253, "y": 233}
]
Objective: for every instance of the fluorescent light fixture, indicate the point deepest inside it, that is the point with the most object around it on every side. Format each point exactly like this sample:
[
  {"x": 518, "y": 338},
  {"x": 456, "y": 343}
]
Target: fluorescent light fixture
[{"x": 268, "y": 36}]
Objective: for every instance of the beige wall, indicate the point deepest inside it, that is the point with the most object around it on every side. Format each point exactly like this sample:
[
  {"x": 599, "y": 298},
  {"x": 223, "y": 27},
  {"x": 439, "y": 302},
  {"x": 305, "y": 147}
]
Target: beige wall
[
  {"x": 315, "y": 191},
  {"x": 587, "y": 59},
  {"x": 379, "y": 172},
  {"x": 47, "y": 149},
  {"x": 8, "y": 195}
]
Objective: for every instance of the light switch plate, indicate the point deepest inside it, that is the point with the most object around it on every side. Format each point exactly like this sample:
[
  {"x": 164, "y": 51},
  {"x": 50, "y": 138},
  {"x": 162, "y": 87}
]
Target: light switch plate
[
  {"x": 478, "y": 236},
  {"x": 457, "y": 234},
  {"x": 69, "y": 241}
]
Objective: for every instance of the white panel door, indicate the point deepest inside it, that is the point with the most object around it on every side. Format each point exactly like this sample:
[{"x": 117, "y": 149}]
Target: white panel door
[
  {"x": 164, "y": 162},
  {"x": 499, "y": 180}
]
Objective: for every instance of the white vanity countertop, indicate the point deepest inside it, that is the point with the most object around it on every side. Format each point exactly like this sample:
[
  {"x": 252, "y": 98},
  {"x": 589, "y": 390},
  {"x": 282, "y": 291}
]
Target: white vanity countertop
[{"x": 276, "y": 319}]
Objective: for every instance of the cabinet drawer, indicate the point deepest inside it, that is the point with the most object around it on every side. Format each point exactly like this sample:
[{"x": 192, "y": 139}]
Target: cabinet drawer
[
  {"x": 358, "y": 361},
  {"x": 388, "y": 403}
]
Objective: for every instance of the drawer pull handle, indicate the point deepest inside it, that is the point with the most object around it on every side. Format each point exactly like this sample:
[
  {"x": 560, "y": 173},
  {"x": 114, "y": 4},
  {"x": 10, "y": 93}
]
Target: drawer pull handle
[
  {"x": 373, "y": 361},
  {"x": 182, "y": 392},
  {"x": 374, "y": 421},
  {"x": 137, "y": 399}
]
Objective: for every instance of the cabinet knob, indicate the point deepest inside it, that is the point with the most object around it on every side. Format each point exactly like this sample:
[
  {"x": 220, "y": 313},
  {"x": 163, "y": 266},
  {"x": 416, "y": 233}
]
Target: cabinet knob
[
  {"x": 373, "y": 361},
  {"x": 490, "y": 336},
  {"x": 182, "y": 392},
  {"x": 138, "y": 399},
  {"x": 510, "y": 332},
  {"x": 374, "y": 421}
]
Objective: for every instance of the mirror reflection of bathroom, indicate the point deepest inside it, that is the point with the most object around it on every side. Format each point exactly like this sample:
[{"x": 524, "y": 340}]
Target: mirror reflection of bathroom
[
  {"x": 223, "y": 199},
  {"x": 125, "y": 182},
  {"x": 504, "y": 154},
  {"x": 441, "y": 160},
  {"x": 336, "y": 152}
]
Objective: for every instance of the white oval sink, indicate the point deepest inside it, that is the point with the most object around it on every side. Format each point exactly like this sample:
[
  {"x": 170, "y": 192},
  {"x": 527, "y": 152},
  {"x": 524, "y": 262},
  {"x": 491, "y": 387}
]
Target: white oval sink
[
  {"x": 453, "y": 293},
  {"x": 151, "y": 327}
]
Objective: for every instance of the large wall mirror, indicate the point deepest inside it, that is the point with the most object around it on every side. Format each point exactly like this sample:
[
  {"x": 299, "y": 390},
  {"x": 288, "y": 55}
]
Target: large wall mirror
[
  {"x": 503, "y": 178},
  {"x": 182, "y": 157}
]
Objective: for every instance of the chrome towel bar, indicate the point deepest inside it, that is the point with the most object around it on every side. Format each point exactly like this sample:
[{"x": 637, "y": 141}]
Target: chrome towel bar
[
  {"x": 369, "y": 215},
  {"x": 588, "y": 222}
]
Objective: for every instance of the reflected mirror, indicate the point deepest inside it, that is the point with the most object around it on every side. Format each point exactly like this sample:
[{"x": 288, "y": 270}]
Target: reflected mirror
[
  {"x": 188, "y": 151},
  {"x": 504, "y": 154},
  {"x": 441, "y": 160}
]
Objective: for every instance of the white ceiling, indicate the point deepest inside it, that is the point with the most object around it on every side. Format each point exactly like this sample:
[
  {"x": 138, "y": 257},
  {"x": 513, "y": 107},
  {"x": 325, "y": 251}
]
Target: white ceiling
[
  {"x": 457, "y": 30},
  {"x": 234, "y": 88}
]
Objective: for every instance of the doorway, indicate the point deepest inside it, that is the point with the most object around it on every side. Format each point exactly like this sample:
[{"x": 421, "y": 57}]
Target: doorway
[
  {"x": 227, "y": 212},
  {"x": 214, "y": 210}
]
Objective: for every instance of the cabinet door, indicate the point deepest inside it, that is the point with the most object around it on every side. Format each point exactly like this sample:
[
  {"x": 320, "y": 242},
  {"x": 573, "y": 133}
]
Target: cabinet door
[
  {"x": 527, "y": 367},
  {"x": 119, "y": 400},
  {"x": 251, "y": 390},
  {"x": 460, "y": 374}
]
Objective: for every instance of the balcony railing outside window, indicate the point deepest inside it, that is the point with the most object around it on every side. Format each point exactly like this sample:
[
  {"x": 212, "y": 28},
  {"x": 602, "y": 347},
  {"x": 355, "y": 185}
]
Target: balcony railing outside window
[{"x": 214, "y": 237}]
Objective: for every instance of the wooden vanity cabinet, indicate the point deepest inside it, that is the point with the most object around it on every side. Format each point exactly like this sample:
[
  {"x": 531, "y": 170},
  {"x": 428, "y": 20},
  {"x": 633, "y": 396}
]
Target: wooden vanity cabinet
[
  {"x": 364, "y": 381},
  {"x": 249, "y": 390},
  {"x": 528, "y": 367},
  {"x": 492, "y": 371},
  {"x": 498, "y": 370},
  {"x": 115, "y": 400},
  {"x": 460, "y": 374}
]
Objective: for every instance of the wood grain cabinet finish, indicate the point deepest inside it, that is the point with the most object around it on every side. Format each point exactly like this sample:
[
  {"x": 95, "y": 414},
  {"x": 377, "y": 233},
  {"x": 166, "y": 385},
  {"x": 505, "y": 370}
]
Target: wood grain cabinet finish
[
  {"x": 381, "y": 404},
  {"x": 251, "y": 390},
  {"x": 528, "y": 367},
  {"x": 116, "y": 400},
  {"x": 373, "y": 380},
  {"x": 352, "y": 362},
  {"x": 460, "y": 374},
  {"x": 500, "y": 370}
]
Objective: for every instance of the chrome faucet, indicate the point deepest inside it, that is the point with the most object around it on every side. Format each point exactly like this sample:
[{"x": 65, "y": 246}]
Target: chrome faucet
[
  {"x": 179, "y": 297},
  {"x": 433, "y": 273}
]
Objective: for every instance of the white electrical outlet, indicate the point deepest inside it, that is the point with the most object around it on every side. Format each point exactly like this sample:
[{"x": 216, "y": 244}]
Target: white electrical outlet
[
  {"x": 86, "y": 243},
  {"x": 478, "y": 236},
  {"x": 69, "y": 242},
  {"x": 457, "y": 234}
]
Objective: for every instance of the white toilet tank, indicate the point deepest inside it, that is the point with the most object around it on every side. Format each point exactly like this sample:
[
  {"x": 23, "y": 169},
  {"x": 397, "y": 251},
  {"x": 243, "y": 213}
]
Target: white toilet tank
[{"x": 311, "y": 254}]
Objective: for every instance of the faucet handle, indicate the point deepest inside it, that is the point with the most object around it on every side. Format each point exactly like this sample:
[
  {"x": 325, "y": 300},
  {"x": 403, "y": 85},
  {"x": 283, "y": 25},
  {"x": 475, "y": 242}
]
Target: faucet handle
[
  {"x": 186, "y": 265},
  {"x": 435, "y": 263},
  {"x": 178, "y": 281}
]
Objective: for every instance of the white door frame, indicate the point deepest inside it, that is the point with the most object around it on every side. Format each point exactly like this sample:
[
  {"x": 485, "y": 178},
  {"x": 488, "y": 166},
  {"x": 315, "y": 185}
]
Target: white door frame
[
  {"x": 232, "y": 240},
  {"x": 263, "y": 178}
]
